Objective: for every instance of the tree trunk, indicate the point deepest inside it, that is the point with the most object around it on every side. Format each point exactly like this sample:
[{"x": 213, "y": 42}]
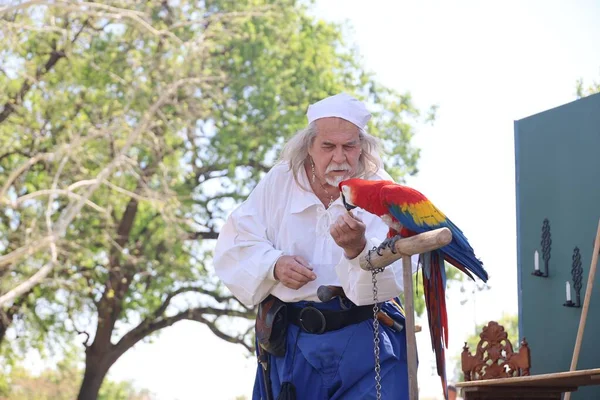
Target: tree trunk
[{"x": 96, "y": 368}]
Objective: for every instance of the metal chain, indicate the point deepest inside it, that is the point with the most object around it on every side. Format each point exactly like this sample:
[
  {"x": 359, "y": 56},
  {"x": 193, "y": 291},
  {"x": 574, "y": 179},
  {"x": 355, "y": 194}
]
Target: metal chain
[{"x": 374, "y": 272}]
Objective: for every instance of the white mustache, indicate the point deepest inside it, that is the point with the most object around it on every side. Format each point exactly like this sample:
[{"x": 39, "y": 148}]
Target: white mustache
[{"x": 338, "y": 167}]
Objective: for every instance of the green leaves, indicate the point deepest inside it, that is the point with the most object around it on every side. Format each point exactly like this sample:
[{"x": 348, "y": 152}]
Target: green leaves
[{"x": 583, "y": 91}]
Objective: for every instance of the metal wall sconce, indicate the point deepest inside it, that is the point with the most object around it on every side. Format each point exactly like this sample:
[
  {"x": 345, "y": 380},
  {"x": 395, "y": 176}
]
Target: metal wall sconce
[
  {"x": 576, "y": 273},
  {"x": 546, "y": 247}
]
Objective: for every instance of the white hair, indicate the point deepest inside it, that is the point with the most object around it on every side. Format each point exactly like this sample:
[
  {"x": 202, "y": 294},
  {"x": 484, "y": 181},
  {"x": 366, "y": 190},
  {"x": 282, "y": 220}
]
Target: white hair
[{"x": 295, "y": 152}]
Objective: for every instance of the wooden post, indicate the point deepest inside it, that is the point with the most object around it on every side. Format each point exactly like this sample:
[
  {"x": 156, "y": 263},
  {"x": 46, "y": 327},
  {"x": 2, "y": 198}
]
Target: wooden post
[
  {"x": 411, "y": 339},
  {"x": 586, "y": 304},
  {"x": 405, "y": 248}
]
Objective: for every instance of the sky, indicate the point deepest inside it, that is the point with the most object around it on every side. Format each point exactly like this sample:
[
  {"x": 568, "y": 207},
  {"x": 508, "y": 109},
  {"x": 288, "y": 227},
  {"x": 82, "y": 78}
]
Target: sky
[{"x": 485, "y": 64}]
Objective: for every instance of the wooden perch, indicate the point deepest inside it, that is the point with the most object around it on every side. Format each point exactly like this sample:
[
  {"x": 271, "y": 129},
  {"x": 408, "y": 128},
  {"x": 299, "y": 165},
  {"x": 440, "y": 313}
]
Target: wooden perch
[{"x": 418, "y": 244}]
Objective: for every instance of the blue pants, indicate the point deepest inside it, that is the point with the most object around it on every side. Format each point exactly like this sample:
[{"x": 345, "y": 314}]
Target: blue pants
[{"x": 340, "y": 364}]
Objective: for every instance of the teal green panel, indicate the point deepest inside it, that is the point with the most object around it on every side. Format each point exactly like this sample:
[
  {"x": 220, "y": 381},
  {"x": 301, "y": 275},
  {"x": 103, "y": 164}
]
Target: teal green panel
[{"x": 557, "y": 155}]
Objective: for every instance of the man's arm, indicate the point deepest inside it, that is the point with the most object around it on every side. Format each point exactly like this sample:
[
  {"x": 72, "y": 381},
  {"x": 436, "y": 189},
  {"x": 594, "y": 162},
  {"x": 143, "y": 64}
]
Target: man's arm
[{"x": 245, "y": 258}]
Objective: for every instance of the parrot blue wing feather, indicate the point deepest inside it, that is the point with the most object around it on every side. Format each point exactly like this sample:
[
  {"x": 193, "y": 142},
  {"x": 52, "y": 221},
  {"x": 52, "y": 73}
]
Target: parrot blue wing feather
[{"x": 459, "y": 248}]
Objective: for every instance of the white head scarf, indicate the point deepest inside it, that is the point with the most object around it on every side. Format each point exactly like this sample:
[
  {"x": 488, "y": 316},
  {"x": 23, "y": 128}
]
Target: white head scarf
[{"x": 342, "y": 106}]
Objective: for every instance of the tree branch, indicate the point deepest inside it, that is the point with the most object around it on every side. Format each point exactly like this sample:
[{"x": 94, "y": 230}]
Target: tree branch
[
  {"x": 99, "y": 10},
  {"x": 87, "y": 337},
  {"x": 133, "y": 195},
  {"x": 27, "y": 285},
  {"x": 26, "y": 165},
  {"x": 231, "y": 339},
  {"x": 195, "y": 314},
  {"x": 12, "y": 103},
  {"x": 27, "y": 250},
  {"x": 163, "y": 307},
  {"x": 13, "y": 152},
  {"x": 204, "y": 172},
  {"x": 53, "y": 192},
  {"x": 203, "y": 235},
  {"x": 57, "y": 154}
]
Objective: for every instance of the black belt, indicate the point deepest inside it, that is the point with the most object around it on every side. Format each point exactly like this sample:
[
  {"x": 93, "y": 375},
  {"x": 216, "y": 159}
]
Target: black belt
[{"x": 313, "y": 320}]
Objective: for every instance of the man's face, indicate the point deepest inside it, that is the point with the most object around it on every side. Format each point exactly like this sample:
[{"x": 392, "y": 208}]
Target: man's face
[{"x": 335, "y": 150}]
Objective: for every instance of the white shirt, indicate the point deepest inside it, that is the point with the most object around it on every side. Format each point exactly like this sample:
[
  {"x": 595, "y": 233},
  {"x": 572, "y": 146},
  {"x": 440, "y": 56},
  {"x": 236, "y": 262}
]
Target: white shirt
[{"x": 280, "y": 218}]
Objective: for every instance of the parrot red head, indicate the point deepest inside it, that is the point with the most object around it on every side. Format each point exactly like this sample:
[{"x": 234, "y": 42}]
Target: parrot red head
[{"x": 365, "y": 194}]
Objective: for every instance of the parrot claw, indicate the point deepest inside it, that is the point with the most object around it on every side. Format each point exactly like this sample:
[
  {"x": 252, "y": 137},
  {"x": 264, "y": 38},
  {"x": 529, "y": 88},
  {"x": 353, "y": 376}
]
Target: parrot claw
[{"x": 389, "y": 243}]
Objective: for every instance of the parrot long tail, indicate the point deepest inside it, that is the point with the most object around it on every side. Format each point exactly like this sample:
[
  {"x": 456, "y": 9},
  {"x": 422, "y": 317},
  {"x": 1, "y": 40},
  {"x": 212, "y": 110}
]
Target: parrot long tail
[
  {"x": 460, "y": 254},
  {"x": 434, "y": 288}
]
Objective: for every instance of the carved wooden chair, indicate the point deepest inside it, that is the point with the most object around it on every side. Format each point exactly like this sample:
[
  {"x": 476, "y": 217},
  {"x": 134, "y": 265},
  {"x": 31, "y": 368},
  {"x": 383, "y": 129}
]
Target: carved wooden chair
[{"x": 494, "y": 356}]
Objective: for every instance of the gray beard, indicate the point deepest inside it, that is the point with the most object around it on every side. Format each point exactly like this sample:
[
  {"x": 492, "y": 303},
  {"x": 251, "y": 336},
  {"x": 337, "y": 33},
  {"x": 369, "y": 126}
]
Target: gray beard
[{"x": 334, "y": 181}]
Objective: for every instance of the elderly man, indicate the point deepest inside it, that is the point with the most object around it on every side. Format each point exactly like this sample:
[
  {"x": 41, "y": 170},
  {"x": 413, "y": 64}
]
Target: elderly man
[{"x": 293, "y": 235}]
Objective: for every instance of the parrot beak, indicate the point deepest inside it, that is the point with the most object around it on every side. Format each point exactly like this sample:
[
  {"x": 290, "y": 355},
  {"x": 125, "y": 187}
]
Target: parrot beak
[{"x": 348, "y": 206}]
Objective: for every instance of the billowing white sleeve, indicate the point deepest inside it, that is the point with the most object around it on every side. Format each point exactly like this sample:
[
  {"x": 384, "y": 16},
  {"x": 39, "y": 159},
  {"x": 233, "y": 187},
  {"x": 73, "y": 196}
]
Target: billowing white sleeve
[
  {"x": 358, "y": 284},
  {"x": 244, "y": 258}
]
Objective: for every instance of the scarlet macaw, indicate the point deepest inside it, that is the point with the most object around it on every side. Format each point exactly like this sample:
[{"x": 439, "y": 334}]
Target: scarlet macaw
[{"x": 408, "y": 212}]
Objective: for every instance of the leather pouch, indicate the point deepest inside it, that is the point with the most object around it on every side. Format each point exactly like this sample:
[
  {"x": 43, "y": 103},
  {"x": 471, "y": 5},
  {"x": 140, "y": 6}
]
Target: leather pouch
[{"x": 271, "y": 326}]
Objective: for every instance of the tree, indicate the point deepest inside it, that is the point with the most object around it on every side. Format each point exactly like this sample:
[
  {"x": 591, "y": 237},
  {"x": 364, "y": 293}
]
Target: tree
[
  {"x": 583, "y": 91},
  {"x": 510, "y": 322},
  {"x": 128, "y": 130}
]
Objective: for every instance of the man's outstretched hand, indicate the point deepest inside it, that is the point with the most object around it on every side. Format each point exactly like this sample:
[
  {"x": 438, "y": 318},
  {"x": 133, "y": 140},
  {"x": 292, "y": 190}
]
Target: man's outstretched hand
[{"x": 348, "y": 231}]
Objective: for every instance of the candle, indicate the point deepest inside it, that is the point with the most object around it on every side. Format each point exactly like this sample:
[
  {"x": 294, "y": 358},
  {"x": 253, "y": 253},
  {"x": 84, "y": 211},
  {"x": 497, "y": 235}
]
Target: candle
[
  {"x": 568, "y": 288},
  {"x": 536, "y": 261}
]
